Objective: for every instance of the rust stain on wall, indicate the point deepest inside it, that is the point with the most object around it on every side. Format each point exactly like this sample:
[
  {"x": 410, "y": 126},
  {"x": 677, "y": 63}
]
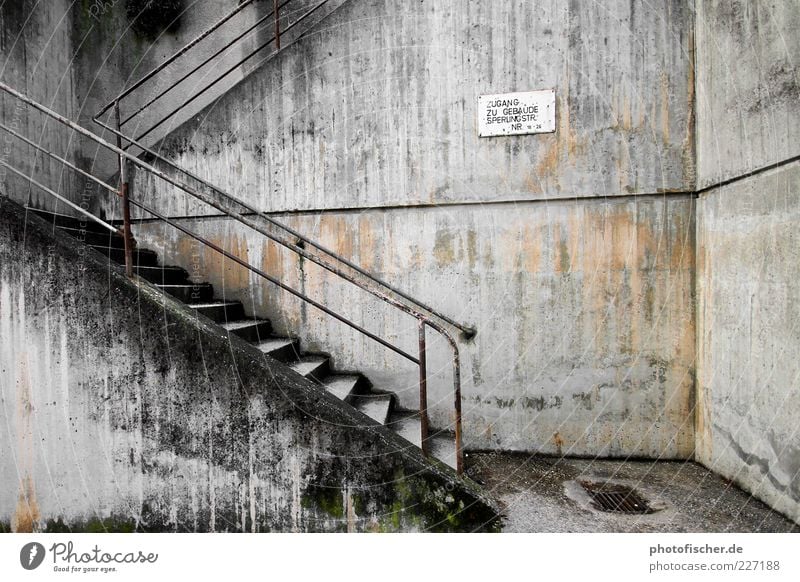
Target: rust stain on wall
[
  {"x": 665, "y": 107},
  {"x": 444, "y": 248},
  {"x": 26, "y": 514},
  {"x": 563, "y": 148}
]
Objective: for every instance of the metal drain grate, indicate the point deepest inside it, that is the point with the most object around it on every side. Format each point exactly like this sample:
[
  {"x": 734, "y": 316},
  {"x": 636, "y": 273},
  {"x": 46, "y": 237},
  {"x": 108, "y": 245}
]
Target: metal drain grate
[{"x": 616, "y": 498}]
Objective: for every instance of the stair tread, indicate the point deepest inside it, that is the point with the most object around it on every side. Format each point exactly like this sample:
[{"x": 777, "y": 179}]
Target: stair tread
[
  {"x": 308, "y": 365},
  {"x": 341, "y": 386},
  {"x": 271, "y": 344},
  {"x": 214, "y": 304},
  {"x": 66, "y": 220},
  {"x": 376, "y": 407},
  {"x": 240, "y": 324},
  {"x": 444, "y": 448},
  {"x": 441, "y": 442}
]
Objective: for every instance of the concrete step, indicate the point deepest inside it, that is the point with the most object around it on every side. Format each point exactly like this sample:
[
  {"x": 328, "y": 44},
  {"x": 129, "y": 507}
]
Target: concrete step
[
  {"x": 220, "y": 311},
  {"x": 230, "y": 315},
  {"x": 442, "y": 443},
  {"x": 281, "y": 348},
  {"x": 144, "y": 257},
  {"x": 314, "y": 367},
  {"x": 191, "y": 292},
  {"x": 343, "y": 386},
  {"x": 163, "y": 275},
  {"x": 376, "y": 406},
  {"x": 252, "y": 330},
  {"x": 443, "y": 447},
  {"x": 407, "y": 425}
]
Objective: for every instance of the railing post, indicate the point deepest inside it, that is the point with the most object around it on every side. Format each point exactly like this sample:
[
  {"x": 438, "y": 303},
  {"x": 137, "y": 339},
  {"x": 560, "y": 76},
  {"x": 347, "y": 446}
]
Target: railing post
[
  {"x": 126, "y": 206},
  {"x": 423, "y": 391},
  {"x": 277, "y": 24},
  {"x": 457, "y": 407}
]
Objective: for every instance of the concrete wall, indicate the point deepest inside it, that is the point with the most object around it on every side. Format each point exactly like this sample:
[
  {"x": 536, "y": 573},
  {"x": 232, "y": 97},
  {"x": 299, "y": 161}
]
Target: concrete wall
[
  {"x": 109, "y": 423},
  {"x": 747, "y": 279},
  {"x": 584, "y": 309},
  {"x": 584, "y": 313},
  {"x": 113, "y": 54},
  {"x": 378, "y": 108},
  {"x": 35, "y": 58},
  {"x": 747, "y": 86},
  {"x": 74, "y": 57}
]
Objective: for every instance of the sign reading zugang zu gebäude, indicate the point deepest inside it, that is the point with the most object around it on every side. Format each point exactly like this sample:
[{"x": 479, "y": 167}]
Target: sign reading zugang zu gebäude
[{"x": 517, "y": 113}]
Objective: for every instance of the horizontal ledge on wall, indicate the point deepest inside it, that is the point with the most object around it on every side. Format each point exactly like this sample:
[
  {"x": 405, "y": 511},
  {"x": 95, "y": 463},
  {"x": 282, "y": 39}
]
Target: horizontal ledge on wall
[
  {"x": 613, "y": 199},
  {"x": 750, "y": 174}
]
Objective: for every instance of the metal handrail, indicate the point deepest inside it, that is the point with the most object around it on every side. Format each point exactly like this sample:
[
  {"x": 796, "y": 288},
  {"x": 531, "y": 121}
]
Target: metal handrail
[
  {"x": 232, "y": 206},
  {"x": 230, "y": 70},
  {"x": 423, "y": 319},
  {"x": 467, "y": 332},
  {"x": 207, "y": 243},
  {"x": 275, "y": 14},
  {"x": 176, "y": 55}
]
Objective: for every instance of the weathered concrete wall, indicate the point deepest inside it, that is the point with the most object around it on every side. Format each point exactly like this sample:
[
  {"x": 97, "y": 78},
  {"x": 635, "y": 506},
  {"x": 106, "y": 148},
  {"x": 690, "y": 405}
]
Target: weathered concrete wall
[
  {"x": 584, "y": 313},
  {"x": 749, "y": 335},
  {"x": 35, "y": 58},
  {"x": 114, "y": 53},
  {"x": 747, "y": 280},
  {"x": 584, "y": 309},
  {"x": 747, "y": 86},
  {"x": 378, "y": 108},
  {"x": 76, "y": 56},
  {"x": 121, "y": 411}
]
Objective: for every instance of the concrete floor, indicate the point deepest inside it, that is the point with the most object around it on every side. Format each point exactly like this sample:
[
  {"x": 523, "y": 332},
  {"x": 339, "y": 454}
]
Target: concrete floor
[{"x": 542, "y": 494}]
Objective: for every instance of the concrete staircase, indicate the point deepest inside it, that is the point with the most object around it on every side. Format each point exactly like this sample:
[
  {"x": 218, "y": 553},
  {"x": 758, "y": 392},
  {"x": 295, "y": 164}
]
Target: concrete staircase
[{"x": 353, "y": 388}]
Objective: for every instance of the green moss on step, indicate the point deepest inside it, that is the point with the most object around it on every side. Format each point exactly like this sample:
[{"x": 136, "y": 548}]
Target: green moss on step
[
  {"x": 94, "y": 525},
  {"x": 329, "y": 500}
]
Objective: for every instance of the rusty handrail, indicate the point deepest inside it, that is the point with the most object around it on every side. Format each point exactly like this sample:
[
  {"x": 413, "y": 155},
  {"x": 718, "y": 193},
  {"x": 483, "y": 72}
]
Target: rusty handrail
[
  {"x": 424, "y": 320},
  {"x": 466, "y": 331},
  {"x": 188, "y": 232},
  {"x": 232, "y": 207},
  {"x": 175, "y": 56},
  {"x": 274, "y": 14}
]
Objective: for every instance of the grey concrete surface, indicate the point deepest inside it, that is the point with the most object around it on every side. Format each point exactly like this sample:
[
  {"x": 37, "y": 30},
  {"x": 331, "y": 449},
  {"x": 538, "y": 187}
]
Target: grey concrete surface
[
  {"x": 748, "y": 343},
  {"x": 122, "y": 410},
  {"x": 748, "y": 86},
  {"x": 36, "y": 49},
  {"x": 542, "y": 494},
  {"x": 378, "y": 107},
  {"x": 584, "y": 312},
  {"x": 749, "y": 335}
]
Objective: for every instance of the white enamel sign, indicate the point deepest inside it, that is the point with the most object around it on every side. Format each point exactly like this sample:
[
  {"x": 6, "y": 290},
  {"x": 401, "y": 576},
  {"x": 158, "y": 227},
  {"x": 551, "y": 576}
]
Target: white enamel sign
[{"x": 517, "y": 113}]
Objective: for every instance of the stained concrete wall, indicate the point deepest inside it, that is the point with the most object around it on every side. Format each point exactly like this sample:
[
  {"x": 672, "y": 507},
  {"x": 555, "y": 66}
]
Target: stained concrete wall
[
  {"x": 378, "y": 108},
  {"x": 749, "y": 335},
  {"x": 747, "y": 86},
  {"x": 747, "y": 267},
  {"x": 114, "y": 53},
  {"x": 584, "y": 311},
  {"x": 367, "y": 132},
  {"x": 35, "y": 58},
  {"x": 75, "y": 57},
  {"x": 109, "y": 423}
]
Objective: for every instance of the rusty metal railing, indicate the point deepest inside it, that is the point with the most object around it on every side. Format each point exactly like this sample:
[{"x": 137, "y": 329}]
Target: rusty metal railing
[
  {"x": 274, "y": 15},
  {"x": 218, "y": 199}
]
